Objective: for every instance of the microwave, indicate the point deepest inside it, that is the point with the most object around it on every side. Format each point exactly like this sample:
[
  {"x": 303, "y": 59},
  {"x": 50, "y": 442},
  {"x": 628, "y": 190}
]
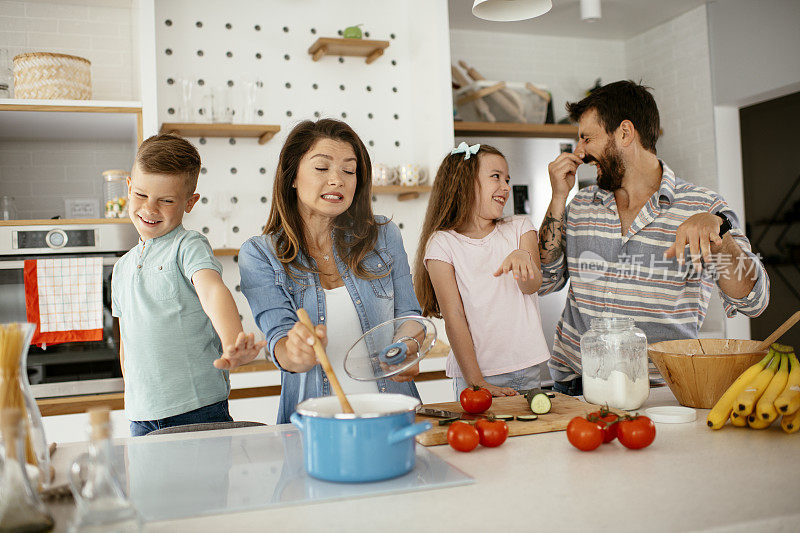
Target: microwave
[{"x": 70, "y": 368}]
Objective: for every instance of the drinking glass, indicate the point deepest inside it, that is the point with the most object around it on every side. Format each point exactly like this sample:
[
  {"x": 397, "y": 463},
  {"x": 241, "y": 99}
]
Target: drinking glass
[
  {"x": 187, "y": 107},
  {"x": 223, "y": 208}
]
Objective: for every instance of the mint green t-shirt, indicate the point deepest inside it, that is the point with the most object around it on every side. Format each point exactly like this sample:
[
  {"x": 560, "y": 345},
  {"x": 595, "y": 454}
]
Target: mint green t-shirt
[{"x": 169, "y": 341}]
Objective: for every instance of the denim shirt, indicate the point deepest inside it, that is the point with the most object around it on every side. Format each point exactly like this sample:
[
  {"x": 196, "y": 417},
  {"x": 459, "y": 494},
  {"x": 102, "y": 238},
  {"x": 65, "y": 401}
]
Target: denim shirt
[{"x": 274, "y": 298}]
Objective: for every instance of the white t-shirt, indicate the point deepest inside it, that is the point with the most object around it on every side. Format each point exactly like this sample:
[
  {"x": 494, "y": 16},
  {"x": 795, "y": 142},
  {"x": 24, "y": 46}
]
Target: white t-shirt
[
  {"x": 344, "y": 329},
  {"x": 505, "y": 324}
]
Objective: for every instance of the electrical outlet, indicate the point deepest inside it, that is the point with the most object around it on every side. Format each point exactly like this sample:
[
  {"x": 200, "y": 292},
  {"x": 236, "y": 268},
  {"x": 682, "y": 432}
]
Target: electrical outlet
[{"x": 82, "y": 208}]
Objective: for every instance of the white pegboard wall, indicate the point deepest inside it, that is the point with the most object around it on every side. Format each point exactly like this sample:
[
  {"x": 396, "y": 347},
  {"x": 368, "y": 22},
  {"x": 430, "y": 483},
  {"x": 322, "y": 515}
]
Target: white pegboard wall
[{"x": 393, "y": 103}]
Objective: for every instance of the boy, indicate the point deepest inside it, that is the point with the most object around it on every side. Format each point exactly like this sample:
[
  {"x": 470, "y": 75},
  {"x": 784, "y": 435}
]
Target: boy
[{"x": 175, "y": 313}]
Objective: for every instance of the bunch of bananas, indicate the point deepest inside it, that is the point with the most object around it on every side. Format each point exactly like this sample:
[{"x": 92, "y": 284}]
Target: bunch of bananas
[{"x": 766, "y": 390}]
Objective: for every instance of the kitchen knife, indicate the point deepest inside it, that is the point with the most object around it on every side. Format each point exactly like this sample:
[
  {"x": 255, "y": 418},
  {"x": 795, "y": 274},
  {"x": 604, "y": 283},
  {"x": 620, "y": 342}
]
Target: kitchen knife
[{"x": 441, "y": 413}]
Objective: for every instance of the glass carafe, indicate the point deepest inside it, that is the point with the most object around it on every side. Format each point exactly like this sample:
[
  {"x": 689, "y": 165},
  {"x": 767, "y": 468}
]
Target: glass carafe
[
  {"x": 15, "y": 393},
  {"x": 614, "y": 360},
  {"x": 100, "y": 502},
  {"x": 21, "y": 509}
]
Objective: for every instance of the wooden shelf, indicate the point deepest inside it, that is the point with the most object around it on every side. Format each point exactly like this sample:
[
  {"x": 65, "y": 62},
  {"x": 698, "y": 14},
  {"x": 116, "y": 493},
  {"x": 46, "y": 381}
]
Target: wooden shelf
[
  {"x": 263, "y": 132},
  {"x": 85, "y": 120},
  {"x": 515, "y": 129},
  {"x": 65, "y": 221},
  {"x": 226, "y": 252},
  {"x": 403, "y": 192},
  {"x": 334, "y": 46}
]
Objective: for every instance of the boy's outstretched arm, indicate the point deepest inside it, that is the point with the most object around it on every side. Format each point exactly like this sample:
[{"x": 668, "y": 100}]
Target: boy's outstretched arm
[{"x": 217, "y": 302}]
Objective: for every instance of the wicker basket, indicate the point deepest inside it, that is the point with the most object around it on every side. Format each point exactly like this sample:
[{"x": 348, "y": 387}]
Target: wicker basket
[{"x": 52, "y": 76}]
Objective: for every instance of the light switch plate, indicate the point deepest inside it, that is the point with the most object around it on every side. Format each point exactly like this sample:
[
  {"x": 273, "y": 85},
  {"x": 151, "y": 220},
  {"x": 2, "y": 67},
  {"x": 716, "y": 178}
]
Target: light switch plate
[{"x": 82, "y": 208}]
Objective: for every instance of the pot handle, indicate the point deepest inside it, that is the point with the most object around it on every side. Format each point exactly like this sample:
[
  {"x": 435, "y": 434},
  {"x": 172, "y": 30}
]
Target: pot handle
[
  {"x": 408, "y": 432},
  {"x": 297, "y": 420}
]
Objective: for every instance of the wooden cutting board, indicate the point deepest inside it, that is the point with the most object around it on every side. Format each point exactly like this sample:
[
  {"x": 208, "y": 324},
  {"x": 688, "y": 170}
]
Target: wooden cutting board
[{"x": 564, "y": 409}]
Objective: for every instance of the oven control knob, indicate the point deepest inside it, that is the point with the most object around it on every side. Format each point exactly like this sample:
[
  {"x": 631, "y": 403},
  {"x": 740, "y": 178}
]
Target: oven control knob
[{"x": 56, "y": 238}]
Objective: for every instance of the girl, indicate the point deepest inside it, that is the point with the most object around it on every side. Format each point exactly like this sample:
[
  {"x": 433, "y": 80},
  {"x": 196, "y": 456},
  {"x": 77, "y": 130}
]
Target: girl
[{"x": 480, "y": 273}]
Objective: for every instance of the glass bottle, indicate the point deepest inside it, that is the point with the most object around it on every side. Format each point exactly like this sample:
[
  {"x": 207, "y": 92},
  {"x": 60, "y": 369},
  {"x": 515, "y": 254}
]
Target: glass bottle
[
  {"x": 8, "y": 210},
  {"x": 115, "y": 193},
  {"x": 15, "y": 392},
  {"x": 615, "y": 367},
  {"x": 21, "y": 509},
  {"x": 100, "y": 503}
]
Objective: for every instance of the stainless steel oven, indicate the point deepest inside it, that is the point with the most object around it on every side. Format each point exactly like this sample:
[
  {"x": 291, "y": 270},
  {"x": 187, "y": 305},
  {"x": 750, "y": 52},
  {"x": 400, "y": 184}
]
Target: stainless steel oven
[{"x": 70, "y": 368}]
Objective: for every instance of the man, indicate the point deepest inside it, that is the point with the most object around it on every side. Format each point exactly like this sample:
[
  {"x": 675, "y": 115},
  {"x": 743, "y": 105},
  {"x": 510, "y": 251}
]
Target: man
[{"x": 622, "y": 242}]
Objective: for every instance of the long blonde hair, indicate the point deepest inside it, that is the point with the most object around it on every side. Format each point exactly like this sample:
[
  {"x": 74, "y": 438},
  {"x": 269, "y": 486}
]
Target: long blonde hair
[
  {"x": 355, "y": 230},
  {"x": 451, "y": 206}
]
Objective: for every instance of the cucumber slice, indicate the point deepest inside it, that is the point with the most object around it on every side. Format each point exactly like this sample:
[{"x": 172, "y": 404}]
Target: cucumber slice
[
  {"x": 530, "y": 393},
  {"x": 504, "y": 418},
  {"x": 540, "y": 403},
  {"x": 527, "y": 418}
]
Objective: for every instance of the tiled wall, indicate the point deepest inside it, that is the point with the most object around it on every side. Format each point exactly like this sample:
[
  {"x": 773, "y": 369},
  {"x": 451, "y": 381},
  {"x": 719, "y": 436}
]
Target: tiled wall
[
  {"x": 41, "y": 174},
  {"x": 567, "y": 66},
  {"x": 98, "y": 33},
  {"x": 673, "y": 58}
]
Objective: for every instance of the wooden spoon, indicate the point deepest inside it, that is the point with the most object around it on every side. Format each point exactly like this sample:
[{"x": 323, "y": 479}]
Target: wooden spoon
[
  {"x": 324, "y": 361},
  {"x": 778, "y": 333}
]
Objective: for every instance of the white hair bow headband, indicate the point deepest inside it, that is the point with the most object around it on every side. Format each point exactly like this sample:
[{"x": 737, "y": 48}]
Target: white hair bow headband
[{"x": 468, "y": 151}]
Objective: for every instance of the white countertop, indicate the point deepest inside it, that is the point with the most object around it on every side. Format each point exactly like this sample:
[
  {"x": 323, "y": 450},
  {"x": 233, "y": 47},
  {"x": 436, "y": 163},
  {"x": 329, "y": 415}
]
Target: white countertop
[{"x": 690, "y": 478}]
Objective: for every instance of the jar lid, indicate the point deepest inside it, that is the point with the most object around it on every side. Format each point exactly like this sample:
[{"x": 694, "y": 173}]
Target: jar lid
[
  {"x": 671, "y": 414},
  {"x": 115, "y": 173}
]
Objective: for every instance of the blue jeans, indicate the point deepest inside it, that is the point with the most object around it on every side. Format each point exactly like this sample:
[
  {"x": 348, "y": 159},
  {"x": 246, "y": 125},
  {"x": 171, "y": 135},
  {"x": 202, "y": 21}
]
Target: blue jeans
[
  {"x": 527, "y": 378},
  {"x": 573, "y": 387},
  {"x": 216, "y": 412}
]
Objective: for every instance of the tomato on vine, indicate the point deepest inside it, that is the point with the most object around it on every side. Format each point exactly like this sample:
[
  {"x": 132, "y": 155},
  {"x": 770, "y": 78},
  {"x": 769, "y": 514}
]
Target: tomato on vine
[
  {"x": 492, "y": 432},
  {"x": 607, "y": 420},
  {"x": 583, "y": 434},
  {"x": 462, "y": 437},
  {"x": 475, "y": 399},
  {"x": 636, "y": 432}
]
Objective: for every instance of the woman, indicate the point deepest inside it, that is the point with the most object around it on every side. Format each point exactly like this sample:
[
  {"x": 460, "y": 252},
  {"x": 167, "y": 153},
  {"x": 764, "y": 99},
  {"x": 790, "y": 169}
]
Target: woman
[{"x": 323, "y": 250}]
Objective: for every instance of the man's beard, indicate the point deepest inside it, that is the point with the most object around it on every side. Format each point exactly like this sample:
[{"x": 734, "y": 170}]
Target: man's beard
[{"x": 610, "y": 166}]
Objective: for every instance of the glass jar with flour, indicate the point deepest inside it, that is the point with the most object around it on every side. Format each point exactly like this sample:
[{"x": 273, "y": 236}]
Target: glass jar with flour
[{"x": 614, "y": 359}]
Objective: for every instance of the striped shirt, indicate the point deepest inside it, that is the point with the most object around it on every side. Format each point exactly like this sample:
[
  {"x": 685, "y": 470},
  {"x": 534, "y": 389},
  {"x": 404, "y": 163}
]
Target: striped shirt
[{"x": 612, "y": 275}]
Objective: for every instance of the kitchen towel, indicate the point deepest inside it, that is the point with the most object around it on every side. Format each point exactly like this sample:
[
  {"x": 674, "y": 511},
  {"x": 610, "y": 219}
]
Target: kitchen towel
[{"x": 64, "y": 298}]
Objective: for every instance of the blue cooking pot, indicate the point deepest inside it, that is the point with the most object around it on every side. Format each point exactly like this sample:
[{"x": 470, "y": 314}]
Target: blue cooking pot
[{"x": 375, "y": 443}]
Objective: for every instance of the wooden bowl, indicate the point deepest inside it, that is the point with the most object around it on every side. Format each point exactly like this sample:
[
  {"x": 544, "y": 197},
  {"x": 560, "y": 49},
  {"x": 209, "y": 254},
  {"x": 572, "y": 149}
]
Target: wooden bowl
[{"x": 699, "y": 371}]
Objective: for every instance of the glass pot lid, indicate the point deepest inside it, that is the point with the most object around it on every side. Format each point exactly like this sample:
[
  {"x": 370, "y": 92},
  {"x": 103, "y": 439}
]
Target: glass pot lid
[{"x": 390, "y": 348}]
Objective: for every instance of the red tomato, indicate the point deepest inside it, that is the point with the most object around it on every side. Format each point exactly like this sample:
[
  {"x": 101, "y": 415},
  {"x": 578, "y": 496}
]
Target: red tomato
[
  {"x": 607, "y": 421},
  {"x": 584, "y": 435},
  {"x": 475, "y": 400},
  {"x": 491, "y": 432},
  {"x": 637, "y": 432},
  {"x": 462, "y": 437}
]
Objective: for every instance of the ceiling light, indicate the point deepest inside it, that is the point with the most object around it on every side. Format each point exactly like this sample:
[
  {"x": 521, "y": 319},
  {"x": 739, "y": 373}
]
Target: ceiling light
[
  {"x": 508, "y": 10},
  {"x": 590, "y": 10}
]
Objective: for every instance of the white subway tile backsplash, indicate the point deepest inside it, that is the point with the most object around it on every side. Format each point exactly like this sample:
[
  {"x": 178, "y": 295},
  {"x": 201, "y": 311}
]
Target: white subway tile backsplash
[
  {"x": 41, "y": 174},
  {"x": 115, "y": 15},
  {"x": 81, "y": 27},
  {"x": 17, "y": 189},
  {"x": 13, "y": 24},
  {"x": 12, "y": 9},
  {"x": 13, "y": 40},
  {"x": 56, "y": 10},
  {"x": 55, "y": 42}
]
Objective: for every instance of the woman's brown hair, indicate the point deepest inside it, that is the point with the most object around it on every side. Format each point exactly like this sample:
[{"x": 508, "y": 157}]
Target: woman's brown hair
[
  {"x": 357, "y": 224},
  {"x": 451, "y": 206}
]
